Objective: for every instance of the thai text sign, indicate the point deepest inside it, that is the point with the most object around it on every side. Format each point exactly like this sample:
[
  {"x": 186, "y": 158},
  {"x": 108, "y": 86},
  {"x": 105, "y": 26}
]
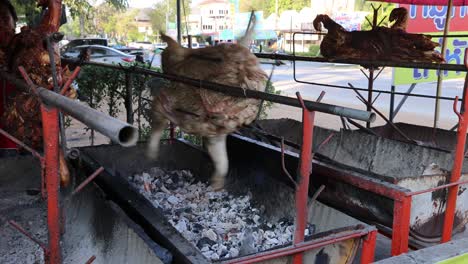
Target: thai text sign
[
  {"x": 350, "y": 20},
  {"x": 431, "y": 20}
]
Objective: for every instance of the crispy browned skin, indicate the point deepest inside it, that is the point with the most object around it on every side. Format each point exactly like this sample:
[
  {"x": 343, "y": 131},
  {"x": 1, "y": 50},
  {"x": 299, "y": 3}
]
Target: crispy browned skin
[
  {"x": 381, "y": 43},
  {"x": 28, "y": 49},
  {"x": 400, "y": 16}
]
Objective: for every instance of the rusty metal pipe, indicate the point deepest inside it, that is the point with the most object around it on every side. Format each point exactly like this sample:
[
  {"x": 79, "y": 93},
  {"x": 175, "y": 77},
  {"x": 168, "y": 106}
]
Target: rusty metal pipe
[{"x": 119, "y": 131}]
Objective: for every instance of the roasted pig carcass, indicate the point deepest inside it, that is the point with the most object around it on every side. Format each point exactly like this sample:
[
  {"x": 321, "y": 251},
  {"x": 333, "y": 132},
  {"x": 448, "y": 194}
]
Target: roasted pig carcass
[
  {"x": 380, "y": 43},
  {"x": 22, "y": 116},
  {"x": 400, "y": 18},
  {"x": 211, "y": 115}
]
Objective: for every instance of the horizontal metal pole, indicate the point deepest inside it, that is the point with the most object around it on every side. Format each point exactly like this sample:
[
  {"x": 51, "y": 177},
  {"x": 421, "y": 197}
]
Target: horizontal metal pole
[
  {"x": 375, "y": 64},
  {"x": 430, "y": 35},
  {"x": 117, "y": 130},
  {"x": 312, "y": 83},
  {"x": 245, "y": 93},
  {"x": 378, "y": 91},
  {"x": 301, "y": 247},
  {"x": 437, "y": 188}
]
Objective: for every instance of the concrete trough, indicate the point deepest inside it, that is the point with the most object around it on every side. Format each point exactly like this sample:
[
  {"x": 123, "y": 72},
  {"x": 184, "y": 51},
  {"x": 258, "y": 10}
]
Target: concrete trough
[
  {"x": 251, "y": 170},
  {"x": 393, "y": 163}
]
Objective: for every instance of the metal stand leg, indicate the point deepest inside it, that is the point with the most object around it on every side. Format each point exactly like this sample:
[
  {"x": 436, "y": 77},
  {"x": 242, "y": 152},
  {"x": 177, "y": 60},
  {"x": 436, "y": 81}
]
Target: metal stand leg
[
  {"x": 401, "y": 222},
  {"x": 457, "y": 167},
  {"x": 305, "y": 168},
  {"x": 51, "y": 153},
  {"x": 368, "y": 248}
]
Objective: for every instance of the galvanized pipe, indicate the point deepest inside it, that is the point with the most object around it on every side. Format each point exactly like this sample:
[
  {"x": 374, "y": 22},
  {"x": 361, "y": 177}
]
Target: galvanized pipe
[{"x": 119, "y": 131}]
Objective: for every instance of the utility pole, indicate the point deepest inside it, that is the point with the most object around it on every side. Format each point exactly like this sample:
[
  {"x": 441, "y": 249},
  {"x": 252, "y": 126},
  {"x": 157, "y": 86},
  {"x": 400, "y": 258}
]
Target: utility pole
[
  {"x": 167, "y": 15},
  {"x": 441, "y": 72},
  {"x": 179, "y": 24},
  {"x": 276, "y": 22}
]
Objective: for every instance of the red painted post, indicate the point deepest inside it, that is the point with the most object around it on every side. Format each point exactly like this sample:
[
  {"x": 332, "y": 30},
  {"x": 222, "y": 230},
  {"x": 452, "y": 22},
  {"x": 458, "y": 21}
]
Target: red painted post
[
  {"x": 51, "y": 156},
  {"x": 401, "y": 223},
  {"x": 456, "y": 170},
  {"x": 368, "y": 247},
  {"x": 305, "y": 169}
]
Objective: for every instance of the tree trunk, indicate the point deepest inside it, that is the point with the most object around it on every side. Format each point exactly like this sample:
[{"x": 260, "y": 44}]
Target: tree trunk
[{"x": 82, "y": 26}]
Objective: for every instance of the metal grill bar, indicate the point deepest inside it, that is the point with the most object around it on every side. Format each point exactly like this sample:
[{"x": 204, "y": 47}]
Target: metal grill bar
[{"x": 245, "y": 93}]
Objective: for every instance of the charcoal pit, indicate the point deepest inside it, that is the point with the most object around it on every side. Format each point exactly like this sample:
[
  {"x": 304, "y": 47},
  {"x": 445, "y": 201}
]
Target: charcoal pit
[
  {"x": 171, "y": 200},
  {"x": 220, "y": 224}
]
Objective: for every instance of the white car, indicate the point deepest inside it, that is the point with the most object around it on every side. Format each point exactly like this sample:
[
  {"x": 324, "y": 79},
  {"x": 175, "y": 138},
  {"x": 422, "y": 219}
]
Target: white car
[
  {"x": 142, "y": 45},
  {"x": 100, "y": 54}
]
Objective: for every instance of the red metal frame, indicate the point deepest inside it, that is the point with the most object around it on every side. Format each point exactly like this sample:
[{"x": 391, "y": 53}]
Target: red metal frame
[
  {"x": 50, "y": 128},
  {"x": 301, "y": 197},
  {"x": 367, "y": 247},
  {"x": 88, "y": 180},
  {"x": 50, "y": 176},
  {"x": 401, "y": 225},
  {"x": 305, "y": 169},
  {"x": 458, "y": 163}
]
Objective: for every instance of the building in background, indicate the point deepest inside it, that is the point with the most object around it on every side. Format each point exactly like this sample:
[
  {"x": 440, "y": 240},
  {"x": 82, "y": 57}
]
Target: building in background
[
  {"x": 215, "y": 16},
  {"x": 143, "y": 22}
]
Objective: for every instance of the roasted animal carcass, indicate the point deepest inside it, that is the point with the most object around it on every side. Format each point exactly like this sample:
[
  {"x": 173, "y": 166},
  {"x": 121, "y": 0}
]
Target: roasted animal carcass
[
  {"x": 400, "y": 18},
  {"x": 202, "y": 112},
  {"x": 22, "y": 117},
  {"x": 380, "y": 43}
]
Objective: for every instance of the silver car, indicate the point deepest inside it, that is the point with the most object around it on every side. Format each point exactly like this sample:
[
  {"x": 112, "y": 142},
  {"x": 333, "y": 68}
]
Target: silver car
[{"x": 100, "y": 54}]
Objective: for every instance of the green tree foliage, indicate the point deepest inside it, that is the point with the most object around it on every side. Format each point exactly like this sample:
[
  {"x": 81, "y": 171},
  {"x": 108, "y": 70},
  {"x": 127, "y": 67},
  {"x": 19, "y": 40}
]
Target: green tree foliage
[
  {"x": 107, "y": 21},
  {"x": 105, "y": 88},
  {"x": 80, "y": 10},
  {"x": 269, "y": 6},
  {"x": 165, "y": 11},
  {"x": 384, "y": 12}
]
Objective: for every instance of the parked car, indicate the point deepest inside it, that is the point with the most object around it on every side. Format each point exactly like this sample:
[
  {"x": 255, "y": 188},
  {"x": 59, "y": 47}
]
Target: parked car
[
  {"x": 142, "y": 45},
  {"x": 195, "y": 45},
  {"x": 100, "y": 54},
  {"x": 145, "y": 57},
  {"x": 82, "y": 42},
  {"x": 160, "y": 45}
]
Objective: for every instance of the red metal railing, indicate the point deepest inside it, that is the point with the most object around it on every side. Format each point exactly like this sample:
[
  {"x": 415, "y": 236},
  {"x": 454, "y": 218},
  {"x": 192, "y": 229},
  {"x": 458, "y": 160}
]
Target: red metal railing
[
  {"x": 402, "y": 198},
  {"x": 301, "y": 200},
  {"x": 368, "y": 247},
  {"x": 50, "y": 175}
]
